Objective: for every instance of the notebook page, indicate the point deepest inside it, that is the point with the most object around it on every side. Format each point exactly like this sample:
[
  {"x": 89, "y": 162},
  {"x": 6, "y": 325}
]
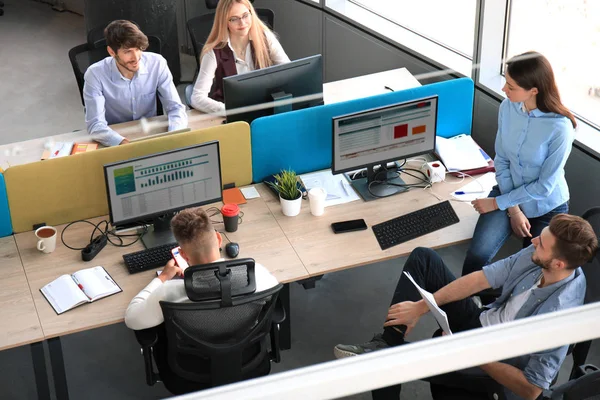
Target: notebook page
[
  {"x": 439, "y": 314},
  {"x": 96, "y": 282},
  {"x": 63, "y": 294}
]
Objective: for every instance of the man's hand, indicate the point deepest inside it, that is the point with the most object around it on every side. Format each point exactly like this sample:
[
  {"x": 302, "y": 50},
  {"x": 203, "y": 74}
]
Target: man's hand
[
  {"x": 406, "y": 313},
  {"x": 170, "y": 271},
  {"x": 519, "y": 223},
  {"x": 124, "y": 141},
  {"x": 483, "y": 206}
]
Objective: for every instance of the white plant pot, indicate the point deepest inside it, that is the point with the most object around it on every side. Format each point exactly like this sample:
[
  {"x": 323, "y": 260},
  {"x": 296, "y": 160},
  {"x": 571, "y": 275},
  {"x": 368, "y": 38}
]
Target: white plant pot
[{"x": 291, "y": 208}]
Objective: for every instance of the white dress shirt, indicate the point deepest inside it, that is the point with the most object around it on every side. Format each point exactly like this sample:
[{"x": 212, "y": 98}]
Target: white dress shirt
[
  {"x": 208, "y": 66},
  {"x": 110, "y": 98},
  {"x": 144, "y": 309}
]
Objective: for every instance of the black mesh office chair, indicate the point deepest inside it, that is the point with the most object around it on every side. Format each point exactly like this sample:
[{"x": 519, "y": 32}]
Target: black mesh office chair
[
  {"x": 84, "y": 55},
  {"x": 218, "y": 338},
  {"x": 199, "y": 27},
  {"x": 584, "y": 379}
]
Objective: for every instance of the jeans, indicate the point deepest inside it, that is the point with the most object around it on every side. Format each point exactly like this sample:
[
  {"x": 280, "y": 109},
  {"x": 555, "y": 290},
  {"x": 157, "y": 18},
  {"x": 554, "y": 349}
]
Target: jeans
[
  {"x": 493, "y": 230},
  {"x": 429, "y": 272}
]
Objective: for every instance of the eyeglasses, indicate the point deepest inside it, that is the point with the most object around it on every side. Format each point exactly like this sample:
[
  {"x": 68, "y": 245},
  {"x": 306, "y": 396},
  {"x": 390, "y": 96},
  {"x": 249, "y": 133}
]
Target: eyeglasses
[{"x": 244, "y": 17}]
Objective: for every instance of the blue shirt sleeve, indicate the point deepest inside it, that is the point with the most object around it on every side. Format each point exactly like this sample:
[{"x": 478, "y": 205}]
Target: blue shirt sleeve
[
  {"x": 169, "y": 97},
  {"x": 543, "y": 366},
  {"x": 559, "y": 148},
  {"x": 501, "y": 162},
  {"x": 95, "y": 119}
]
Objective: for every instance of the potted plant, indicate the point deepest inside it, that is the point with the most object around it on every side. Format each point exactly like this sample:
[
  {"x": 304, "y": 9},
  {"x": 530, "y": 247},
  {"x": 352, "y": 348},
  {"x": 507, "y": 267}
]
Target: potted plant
[{"x": 290, "y": 197}]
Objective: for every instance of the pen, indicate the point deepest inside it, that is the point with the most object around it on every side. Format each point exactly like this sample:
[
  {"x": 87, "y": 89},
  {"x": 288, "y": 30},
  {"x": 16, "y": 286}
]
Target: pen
[{"x": 473, "y": 192}]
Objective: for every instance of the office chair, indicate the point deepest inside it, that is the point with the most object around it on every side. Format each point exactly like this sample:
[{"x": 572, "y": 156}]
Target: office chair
[
  {"x": 584, "y": 379},
  {"x": 219, "y": 337},
  {"x": 199, "y": 28},
  {"x": 84, "y": 55}
]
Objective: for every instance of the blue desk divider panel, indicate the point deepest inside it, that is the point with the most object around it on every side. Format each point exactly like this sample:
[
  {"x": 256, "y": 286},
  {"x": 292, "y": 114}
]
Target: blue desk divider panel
[
  {"x": 302, "y": 140},
  {"x": 5, "y": 222}
]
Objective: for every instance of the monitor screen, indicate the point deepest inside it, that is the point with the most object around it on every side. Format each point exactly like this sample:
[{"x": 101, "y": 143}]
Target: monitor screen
[
  {"x": 294, "y": 86},
  {"x": 379, "y": 135},
  {"x": 148, "y": 187}
]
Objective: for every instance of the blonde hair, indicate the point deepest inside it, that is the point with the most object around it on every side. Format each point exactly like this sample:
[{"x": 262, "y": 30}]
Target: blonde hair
[{"x": 217, "y": 39}]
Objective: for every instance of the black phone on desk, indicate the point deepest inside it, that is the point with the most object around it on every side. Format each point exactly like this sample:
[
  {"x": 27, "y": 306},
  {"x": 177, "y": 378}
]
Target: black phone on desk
[{"x": 349, "y": 226}]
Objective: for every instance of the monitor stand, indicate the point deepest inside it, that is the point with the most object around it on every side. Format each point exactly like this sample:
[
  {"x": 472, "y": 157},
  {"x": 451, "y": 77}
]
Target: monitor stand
[
  {"x": 160, "y": 232},
  {"x": 382, "y": 189}
]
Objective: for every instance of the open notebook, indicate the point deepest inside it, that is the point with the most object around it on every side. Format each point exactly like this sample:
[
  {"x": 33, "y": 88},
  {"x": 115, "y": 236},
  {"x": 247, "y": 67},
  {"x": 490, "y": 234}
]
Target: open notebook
[{"x": 85, "y": 286}]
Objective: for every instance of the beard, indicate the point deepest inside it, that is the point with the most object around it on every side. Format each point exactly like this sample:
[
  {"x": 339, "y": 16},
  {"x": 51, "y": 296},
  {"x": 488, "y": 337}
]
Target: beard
[
  {"x": 128, "y": 65},
  {"x": 542, "y": 264}
]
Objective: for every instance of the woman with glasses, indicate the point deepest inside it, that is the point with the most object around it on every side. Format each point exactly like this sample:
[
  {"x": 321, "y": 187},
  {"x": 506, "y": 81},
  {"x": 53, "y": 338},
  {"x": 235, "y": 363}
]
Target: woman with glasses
[
  {"x": 533, "y": 143},
  {"x": 239, "y": 42}
]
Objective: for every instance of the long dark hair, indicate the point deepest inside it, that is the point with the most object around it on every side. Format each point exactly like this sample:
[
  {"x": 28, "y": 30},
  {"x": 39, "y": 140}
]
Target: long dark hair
[{"x": 532, "y": 70}]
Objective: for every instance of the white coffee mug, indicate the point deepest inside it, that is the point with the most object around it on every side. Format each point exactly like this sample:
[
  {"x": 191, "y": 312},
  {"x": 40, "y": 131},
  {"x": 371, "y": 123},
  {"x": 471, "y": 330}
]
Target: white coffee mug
[
  {"x": 317, "y": 197},
  {"x": 47, "y": 239}
]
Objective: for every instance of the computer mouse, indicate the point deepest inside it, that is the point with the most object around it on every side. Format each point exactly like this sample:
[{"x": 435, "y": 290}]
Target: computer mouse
[{"x": 232, "y": 249}]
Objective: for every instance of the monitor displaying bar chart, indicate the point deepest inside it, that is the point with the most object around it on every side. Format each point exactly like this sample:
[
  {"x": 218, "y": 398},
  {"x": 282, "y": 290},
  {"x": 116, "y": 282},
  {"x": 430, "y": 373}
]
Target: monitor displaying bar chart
[{"x": 157, "y": 184}]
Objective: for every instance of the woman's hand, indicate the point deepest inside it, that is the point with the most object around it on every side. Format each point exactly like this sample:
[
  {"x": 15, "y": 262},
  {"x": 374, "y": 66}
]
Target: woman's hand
[
  {"x": 484, "y": 206},
  {"x": 519, "y": 223},
  {"x": 406, "y": 313}
]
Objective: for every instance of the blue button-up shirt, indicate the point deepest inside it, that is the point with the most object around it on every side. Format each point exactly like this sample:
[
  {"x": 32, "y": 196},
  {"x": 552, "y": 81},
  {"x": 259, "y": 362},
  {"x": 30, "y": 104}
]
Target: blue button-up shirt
[
  {"x": 110, "y": 98},
  {"x": 531, "y": 152},
  {"x": 517, "y": 274}
]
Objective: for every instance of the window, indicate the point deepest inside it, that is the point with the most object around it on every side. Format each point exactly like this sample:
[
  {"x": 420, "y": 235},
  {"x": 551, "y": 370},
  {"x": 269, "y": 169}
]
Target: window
[
  {"x": 445, "y": 22},
  {"x": 567, "y": 32}
]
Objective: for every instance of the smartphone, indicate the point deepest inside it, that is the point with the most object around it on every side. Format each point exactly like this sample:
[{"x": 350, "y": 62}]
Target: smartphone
[
  {"x": 181, "y": 263},
  {"x": 349, "y": 226}
]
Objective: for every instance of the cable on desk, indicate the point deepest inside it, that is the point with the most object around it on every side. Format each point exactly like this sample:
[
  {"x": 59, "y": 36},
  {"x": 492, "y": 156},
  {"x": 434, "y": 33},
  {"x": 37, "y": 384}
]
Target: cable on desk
[
  {"x": 424, "y": 180},
  {"x": 103, "y": 232}
]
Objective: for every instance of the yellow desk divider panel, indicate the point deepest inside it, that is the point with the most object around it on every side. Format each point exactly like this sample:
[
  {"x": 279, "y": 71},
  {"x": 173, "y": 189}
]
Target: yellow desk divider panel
[{"x": 66, "y": 189}]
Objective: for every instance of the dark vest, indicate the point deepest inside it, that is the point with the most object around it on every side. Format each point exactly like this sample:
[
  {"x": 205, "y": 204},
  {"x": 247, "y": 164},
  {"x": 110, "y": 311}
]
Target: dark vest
[{"x": 225, "y": 67}]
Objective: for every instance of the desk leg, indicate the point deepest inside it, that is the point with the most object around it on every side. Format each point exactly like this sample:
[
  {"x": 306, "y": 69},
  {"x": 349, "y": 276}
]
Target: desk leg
[
  {"x": 39, "y": 370},
  {"x": 58, "y": 369},
  {"x": 310, "y": 283},
  {"x": 285, "y": 329}
]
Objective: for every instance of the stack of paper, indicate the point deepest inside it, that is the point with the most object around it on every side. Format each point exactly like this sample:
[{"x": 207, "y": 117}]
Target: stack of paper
[
  {"x": 460, "y": 153},
  {"x": 338, "y": 189}
]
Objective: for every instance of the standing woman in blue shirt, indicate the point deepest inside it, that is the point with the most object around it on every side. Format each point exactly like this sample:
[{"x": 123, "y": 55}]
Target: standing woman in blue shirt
[
  {"x": 239, "y": 42},
  {"x": 535, "y": 134}
]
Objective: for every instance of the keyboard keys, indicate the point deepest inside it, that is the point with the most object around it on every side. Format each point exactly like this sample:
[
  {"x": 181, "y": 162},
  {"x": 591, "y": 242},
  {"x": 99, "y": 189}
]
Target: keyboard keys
[
  {"x": 144, "y": 260},
  {"x": 418, "y": 223}
]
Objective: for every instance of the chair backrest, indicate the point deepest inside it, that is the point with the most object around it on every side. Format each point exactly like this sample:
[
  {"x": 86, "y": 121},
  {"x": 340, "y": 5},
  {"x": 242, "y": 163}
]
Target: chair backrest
[
  {"x": 200, "y": 27},
  {"x": 227, "y": 332},
  {"x": 592, "y": 292},
  {"x": 84, "y": 55}
]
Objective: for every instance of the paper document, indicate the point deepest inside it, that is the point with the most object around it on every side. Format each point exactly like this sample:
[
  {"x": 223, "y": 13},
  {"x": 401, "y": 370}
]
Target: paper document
[
  {"x": 460, "y": 153},
  {"x": 476, "y": 189},
  {"x": 250, "y": 192},
  {"x": 438, "y": 313},
  {"x": 339, "y": 191}
]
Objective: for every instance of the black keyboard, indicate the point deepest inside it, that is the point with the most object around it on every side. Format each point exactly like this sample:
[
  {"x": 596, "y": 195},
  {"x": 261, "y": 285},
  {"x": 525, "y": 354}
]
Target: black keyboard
[
  {"x": 418, "y": 223},
  {"x": 149, "y": 259}
]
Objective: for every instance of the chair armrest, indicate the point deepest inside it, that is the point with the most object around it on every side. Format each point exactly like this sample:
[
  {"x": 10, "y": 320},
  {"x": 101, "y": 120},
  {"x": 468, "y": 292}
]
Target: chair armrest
[
  {"x": 147, "y": 338},
  {"x": 279, "y": 312},
  {"x": 278, "y": 317}
]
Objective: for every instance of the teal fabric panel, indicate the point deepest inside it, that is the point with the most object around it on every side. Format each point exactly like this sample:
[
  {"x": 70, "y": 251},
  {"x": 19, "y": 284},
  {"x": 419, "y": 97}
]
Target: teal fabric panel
[
  {"x": 5, "y": 222},
  {"x": 302, "y": 140}
]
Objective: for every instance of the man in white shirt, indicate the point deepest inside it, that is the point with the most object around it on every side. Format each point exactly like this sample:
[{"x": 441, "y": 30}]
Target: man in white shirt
[{"x": 200, "y": 244}]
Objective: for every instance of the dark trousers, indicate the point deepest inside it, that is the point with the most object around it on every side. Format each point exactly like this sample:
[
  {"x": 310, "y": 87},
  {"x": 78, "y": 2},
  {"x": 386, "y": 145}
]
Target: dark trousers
[{"x": 429, "y": 272}]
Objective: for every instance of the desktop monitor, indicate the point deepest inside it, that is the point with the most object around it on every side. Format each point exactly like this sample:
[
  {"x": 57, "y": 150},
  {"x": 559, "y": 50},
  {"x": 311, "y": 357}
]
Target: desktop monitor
[
  {"x": 369, "y": 139},
  {"x": 150, "y": 189},
  {"x": 280, "y": 88}
]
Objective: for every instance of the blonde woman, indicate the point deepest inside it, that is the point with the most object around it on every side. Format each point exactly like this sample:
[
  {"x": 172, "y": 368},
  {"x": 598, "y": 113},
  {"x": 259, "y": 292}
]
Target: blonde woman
[{"x": 239, "y": 42}]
